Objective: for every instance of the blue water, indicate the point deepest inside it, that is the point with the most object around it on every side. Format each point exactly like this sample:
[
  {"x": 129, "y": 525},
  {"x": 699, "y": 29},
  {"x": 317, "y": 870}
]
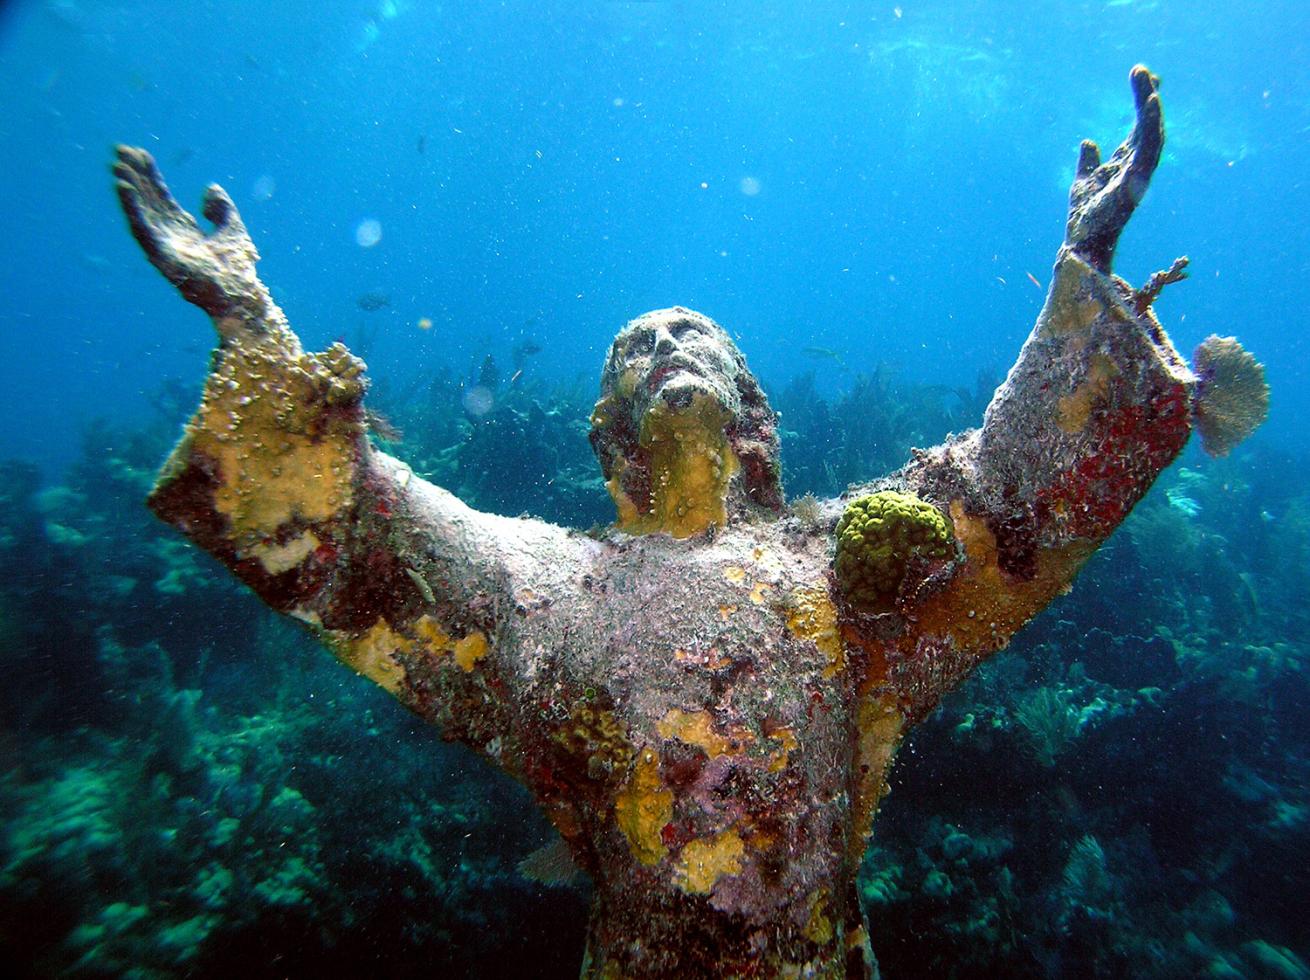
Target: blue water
[
  {"x": 848, "y": 189},
  {"x": 554, "y": 169}
]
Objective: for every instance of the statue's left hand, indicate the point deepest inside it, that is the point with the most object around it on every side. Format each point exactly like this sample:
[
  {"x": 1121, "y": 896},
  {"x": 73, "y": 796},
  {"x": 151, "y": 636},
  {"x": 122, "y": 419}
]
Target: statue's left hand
[{"x": 1104, "y": 195}]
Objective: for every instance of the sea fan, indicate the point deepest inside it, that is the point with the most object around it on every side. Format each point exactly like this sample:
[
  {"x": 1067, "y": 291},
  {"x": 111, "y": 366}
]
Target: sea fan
[{"x": 1232, "y": 397}]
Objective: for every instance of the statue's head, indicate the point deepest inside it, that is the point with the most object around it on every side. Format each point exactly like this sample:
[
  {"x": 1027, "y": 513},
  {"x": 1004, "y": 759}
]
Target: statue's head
[{"x": 683, "y": 432}]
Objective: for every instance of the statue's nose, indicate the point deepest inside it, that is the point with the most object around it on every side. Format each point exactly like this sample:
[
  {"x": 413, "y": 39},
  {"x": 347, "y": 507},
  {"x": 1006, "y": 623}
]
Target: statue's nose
[{"x": 664, "y": 342}]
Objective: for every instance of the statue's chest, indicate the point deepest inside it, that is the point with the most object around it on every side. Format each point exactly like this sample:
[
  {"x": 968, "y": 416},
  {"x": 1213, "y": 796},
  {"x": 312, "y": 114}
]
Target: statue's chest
[
  {"x": 701, "y": 700},
  {"x": 729, "y": 648},
  {"x": 708, "y": 613}
]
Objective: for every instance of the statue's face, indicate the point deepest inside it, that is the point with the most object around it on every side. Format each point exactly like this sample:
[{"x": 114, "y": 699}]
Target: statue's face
[
  {"x": 673, "y": 354},
  {"x": 683, "y": 432}
]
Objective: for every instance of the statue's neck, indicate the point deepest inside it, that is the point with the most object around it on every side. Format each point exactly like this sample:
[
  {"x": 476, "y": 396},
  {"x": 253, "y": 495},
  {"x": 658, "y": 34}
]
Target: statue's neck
[{"x": 680, "y": 482}]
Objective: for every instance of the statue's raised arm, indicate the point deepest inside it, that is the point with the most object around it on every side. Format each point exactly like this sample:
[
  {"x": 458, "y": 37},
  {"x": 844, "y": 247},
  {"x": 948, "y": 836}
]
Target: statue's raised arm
[
  {"x": 1096, "y": 406},
  {"x": 275, "y": 477}
]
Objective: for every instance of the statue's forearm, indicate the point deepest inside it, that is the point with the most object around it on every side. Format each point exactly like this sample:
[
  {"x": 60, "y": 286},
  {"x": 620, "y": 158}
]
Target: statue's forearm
[
  {"x": 1097, "y": 405},
  {"x": 405, "y": 583},
  {"x": 1099, "y": 402},
  {"x": 276, "y": 478}
]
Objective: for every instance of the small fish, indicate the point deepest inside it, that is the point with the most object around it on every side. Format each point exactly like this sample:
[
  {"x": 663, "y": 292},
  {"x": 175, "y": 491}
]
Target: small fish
[
  {"x": 1033, "y": 279},
  {"x": 422, "y": 144},
  {"x": 1001, "y": 280},
  {"x": 522, "y": 351},
  {"x": 826, "y": 353},
  {"x": 374, "y": 299}
]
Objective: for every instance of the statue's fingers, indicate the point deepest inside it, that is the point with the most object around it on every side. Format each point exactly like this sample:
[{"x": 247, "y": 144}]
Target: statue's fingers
[
  {"x": 219, "y": 209},
  {"x": 167, "y": 234},
  {"x": 143, "y": 218},
  {"x": 1150, "y": 127},
  {"x": 136, "y": 168},
  {"x": 1144, "y": 85},
  {"x": 1089, "y": 158},
  {"x": 1148, "y": 132},
  {"x": 129, "y": 199}
]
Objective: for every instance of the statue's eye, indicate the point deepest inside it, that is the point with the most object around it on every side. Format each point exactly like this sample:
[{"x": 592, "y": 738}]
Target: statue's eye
[
  {"x": 642, "y": 344},
  {"x": 682, "y": 327}
]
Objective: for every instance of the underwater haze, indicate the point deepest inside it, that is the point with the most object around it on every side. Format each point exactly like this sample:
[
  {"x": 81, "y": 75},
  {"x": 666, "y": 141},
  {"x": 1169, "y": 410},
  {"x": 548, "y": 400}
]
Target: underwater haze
[{"x": 475, "y": 197}]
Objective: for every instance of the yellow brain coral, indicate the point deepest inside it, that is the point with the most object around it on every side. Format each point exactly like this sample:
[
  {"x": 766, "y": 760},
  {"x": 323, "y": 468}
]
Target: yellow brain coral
[{"x": 879, "y": 536}]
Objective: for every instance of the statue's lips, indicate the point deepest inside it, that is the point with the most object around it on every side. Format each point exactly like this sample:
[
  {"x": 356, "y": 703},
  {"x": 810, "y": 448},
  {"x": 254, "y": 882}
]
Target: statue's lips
[{"x": 660, "y": 375}]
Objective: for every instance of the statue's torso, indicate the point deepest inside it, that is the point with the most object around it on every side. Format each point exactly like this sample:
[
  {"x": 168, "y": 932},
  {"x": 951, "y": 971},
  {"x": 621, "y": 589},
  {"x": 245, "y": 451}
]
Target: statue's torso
[{"x": 691, "y": 729}]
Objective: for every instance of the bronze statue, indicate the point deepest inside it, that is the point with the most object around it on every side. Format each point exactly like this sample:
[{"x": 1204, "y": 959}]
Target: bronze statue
[{"x": 706, "y": 698}]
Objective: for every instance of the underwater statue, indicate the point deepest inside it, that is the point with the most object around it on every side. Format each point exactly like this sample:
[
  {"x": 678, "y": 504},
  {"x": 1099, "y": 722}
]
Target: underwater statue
[{"x": 705, "y": 699}]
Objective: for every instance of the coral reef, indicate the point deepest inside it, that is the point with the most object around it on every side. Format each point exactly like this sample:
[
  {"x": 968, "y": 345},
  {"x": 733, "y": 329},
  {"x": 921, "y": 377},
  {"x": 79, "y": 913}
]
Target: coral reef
[{"x": 152, "y": 829}]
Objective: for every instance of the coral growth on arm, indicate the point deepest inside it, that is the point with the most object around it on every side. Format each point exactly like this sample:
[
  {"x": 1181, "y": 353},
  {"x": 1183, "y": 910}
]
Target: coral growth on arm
[{"x": 1232, "y": 398}]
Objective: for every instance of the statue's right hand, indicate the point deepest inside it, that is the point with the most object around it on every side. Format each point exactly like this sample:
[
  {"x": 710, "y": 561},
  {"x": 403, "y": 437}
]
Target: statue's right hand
[{"x": 215, "y": 271}]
